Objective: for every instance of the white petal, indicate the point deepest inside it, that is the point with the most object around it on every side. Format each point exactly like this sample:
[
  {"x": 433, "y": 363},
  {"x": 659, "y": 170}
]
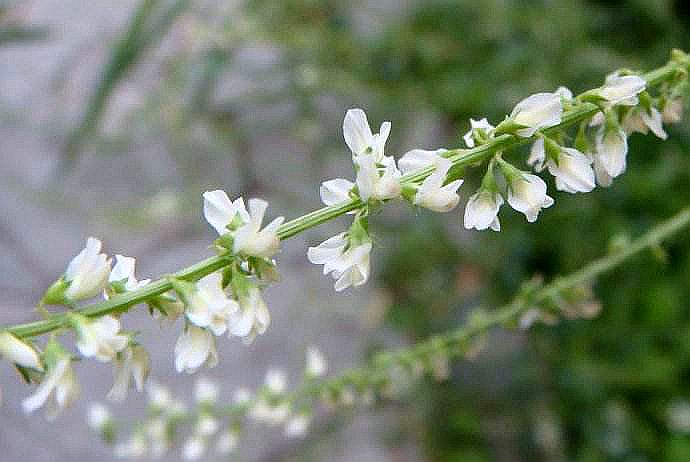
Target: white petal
[{"x": 357, "y": 132}]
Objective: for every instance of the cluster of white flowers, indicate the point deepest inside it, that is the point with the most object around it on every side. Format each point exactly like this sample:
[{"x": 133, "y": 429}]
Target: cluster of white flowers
[
  {"x": 229, "y": 302},
  {"x": 212, "y": 424},
  {"x": 625, "y": 107}
]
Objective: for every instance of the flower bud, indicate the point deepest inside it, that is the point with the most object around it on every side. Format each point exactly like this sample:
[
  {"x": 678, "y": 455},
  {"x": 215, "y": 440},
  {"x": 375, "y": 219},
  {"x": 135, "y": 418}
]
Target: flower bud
[{"x": 19, "y": 352}]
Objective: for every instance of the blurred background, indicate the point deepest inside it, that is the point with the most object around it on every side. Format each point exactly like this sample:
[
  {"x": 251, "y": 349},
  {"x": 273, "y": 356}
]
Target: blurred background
[{"x": 116, "y": 116}]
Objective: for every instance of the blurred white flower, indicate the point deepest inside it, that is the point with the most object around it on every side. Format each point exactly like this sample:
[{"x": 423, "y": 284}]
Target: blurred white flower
[
  {"x": 251, "y": 240},
  {"x": 135, "y": 448},
  {"x": 622, "y": 90},
  {"x": 206, "y": 390},
  {"x": 135, "y": 362},
  {"x": 57, "y": 390},
  {"x": 241, "y": 396},
  {"x": 481, "y": 211},
  {"x": 194, "y": 348},
  {"x": 206, "y": 426},
  {"x": 433, "y": 195},
  {"x": 19, "y": 352},
  {"x": 98, "y": 416},
  {"x": 673, "y": 111},
  {"x": 541, "y": 110},
  {"x": 227, "y": 441},
  {"x": 349, "y": 264},
  {"x": 297, "y": 426},
  {"x": 641, "y": 121},
  {"x": 99, "y": 338},
  {"x": 194, "y": 448},
  {"x": 276, "y": 381},
  {"x": 316, "y": 362},
  {"x": 220, "y": 211}
]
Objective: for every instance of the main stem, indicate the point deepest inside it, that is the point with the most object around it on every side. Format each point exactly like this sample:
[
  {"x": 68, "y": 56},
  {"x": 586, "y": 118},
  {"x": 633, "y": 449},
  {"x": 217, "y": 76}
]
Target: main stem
[{"x": 459, "y": 157}]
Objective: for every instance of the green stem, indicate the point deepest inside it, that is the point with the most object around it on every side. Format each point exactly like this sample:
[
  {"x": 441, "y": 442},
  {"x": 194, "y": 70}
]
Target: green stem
[
  {"x": 453, "y": 343},
  {"x": 460, "y": 157}
]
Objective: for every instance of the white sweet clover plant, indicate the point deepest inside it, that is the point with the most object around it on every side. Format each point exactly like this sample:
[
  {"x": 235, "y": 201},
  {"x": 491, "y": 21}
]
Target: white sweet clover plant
[{"x": 222, "y": 295}]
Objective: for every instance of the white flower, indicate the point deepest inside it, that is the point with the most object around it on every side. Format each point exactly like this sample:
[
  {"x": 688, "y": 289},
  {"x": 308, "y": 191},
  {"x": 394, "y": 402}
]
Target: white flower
[
  {"x": 537, "y": 155},
  {"x": 159, "y": 395},
  {"x": 610, "y": 154},
  {"x": 206, "y": 390},
  {"x": 157, "y": 431},
  {"x": 359, "y": 137},
  {"x": 417, "y": 159},
  {"x": 194, "y": 348},
  {"x": 19, "y": 352},
  {"x": 87, "y": 273},
  {"x": 206, "y": 426},
  {"x": 252, "y": 318},
  {"x": 573, "y": 171},
  {"x": 541, "y": 110},
  {"x": 276, "y": 381},
  {"x": 336, "y": 191},
  {"x": 208, "y": 306},
  {"x": 433, "y": 195},
  {"x": 348, "y": 267},
  {"x": 251, "y": 240},
  {"x": 194, "y": 448},
  {"x": 481, "y": 211},
  {"x": 167, "y": 307},
  {"x": 99, "y": 338},
  {"x": 220, "y": 211},
  {"x": 622, "y": 90},
  {"x": 371, "y": 185},
  {"x": 270, "y": 413},
  {"x": 653, "y": 120},
  {"x": 241, "y": 396},
  {"x": 98, "y": 416},
  {"x": 297, "y": 426},
  {"x": 564, "y": 92},
  {"x": 135, "y": 448},
  {"x": 133, "y": 362},
  {"x": 482, "y": 124},
  {"x": 673, "y": 111},
  {"x": 227, "y": 442},
  {"x": 123, "y": 272},
  {"x": 58, "y": 389},
  {"x": 316, "y": 362},
  {"x": 527, "y": 194}
]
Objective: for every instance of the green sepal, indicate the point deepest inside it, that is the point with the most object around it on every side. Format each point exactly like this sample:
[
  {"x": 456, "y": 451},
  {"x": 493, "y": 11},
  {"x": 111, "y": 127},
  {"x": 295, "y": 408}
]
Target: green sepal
[
  {"x": 408, "y": 192},
  {"x": 581, "y": 141},
  {"x": 55, "y": 295},
  {"x": 183, "y": 289},
  {"x": 508, "y": 126}
]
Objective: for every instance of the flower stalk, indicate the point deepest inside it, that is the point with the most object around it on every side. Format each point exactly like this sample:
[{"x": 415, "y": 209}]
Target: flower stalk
[{"x": 574, "y": 113}]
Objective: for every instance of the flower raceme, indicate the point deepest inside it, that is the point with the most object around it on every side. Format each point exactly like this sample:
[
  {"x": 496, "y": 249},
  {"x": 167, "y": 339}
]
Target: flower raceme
[{"x": 224, "y": 294}]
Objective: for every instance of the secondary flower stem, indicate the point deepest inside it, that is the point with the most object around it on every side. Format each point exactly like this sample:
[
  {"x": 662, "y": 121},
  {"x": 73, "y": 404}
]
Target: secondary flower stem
[
  {"x": 460, "y": 157},
  {"x": 453, "y": 343}
]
